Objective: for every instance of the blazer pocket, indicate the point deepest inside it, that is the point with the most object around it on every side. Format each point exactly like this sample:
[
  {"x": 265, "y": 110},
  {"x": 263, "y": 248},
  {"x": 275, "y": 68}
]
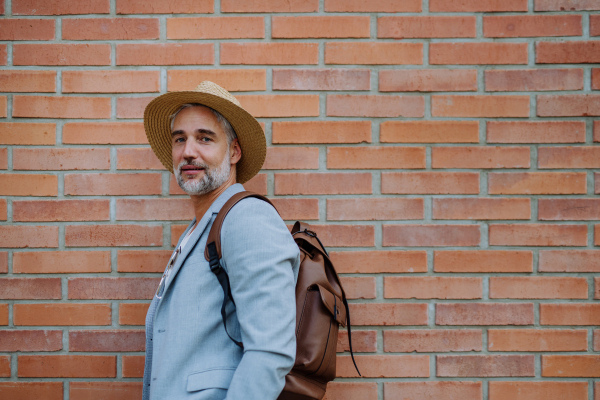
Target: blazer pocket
[{"x": 217, "y": 378}]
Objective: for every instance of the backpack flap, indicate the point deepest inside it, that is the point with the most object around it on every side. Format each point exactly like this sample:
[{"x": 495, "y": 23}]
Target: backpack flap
[{"x": 334, "y": 304}]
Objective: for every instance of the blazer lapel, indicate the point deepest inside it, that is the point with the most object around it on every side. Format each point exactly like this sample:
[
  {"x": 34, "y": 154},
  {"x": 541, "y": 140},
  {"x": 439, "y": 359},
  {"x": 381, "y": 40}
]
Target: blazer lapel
[{"x": 198, "y": 231}]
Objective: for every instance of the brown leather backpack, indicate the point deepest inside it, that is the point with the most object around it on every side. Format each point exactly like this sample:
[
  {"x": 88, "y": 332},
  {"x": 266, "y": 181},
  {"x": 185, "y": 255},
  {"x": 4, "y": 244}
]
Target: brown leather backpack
[{"x": 321, "y": 306}]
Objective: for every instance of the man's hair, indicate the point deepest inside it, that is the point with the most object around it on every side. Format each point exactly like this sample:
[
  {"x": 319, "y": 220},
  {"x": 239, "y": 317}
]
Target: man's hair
[{"x": 225, "y": 125}]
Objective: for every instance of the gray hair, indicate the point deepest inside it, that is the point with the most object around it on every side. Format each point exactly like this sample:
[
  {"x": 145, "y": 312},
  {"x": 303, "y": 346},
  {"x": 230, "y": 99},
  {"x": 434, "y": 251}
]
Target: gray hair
[{"x": 225, "y": 125}]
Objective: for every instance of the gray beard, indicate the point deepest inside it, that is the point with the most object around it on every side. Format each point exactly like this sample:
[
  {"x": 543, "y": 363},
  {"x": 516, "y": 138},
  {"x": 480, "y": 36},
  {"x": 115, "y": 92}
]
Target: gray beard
[{"x": 213, "y": 177}]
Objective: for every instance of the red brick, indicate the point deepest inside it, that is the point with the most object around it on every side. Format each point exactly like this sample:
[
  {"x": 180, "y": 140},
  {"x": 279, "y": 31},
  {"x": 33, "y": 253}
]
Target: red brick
[
  {"x": 137, "y": 158},
  {"x": 110, "y": 28},
  {"x": 4, "y": 265},
  {"x": 569, "y": 52},
  {"x": 27, "y": 133},
  {"x": 393, "y": 157},
  {"x": 3, "y": 55},
  {"x": 485, "y": 366},
  {"x": 535, "y": 131},
  {"x": 61, "y": 159},
  {"x": 112, "y": 235},
  {"x": 60, "y": 262},
  {"x": 373, "y": 53},
  {"x": 107, "y": 340},
  {"x": 27, "y": 29},
  {"x": 373, "y": 6},
  {"x": 345, "y": 235},
  {"x": 112, "y": 184},
  {"x": 41, "y": 7},
  {"x": 481, "y": 208},
  {"x": 321, "y": 27},
  {"x": 5, "y": 368},
  {"x": 67, "y": 366},
  {"x": 297, "y": 209},
  {"x": 431, "y": 235},
  {"x": 110, "y": 81},
  {"x": 596, "y": 183},
  {"x": 396, "y": 287},
  {"x": 429, "y": 131},
  {"x": 351, "y": 391},
  {"x": 596, "y": 78},
  {"x": 3, "y": 211},
  {"x": 21, "y": 236},
  {"x": 389, "y": 261},
  {"x": 270, "y": 6},
  {"x": 359, "y": 287},
  {"x": 215, "y": 28},
  {"x": 28, "y": 185},
  {"x": 533, "y": 80},
  {"x": 530, "y": 287},
  {"x": 566, "y": 5},
  {"x": 3, "y": 103},
  {"x": 477, "y": 5},
  {"x": 532, "y": 25},
  {"x": 133, "y": 313},
  {"x": 569, "y": 261},
  {"x": 537, "y": 339},
  {"x": 234, "y": 80},
  {"x": 426, "y": 27},
  {"x": 321, "y": 132},
  {"x": 384, "y": 366},
  {"x": 569, "y": 157},
  {"x": 538, "y": 390},
  {"x": 430, "y": 182},
  {"x": 480, "y": 157},
  {"x": 269, "y": 53},
  {"x": 497, "y": 261},
  {"x": 31, "y": 390},
  {"x": 431, "y": 340},
  {"x": 433, "y": 390},
  {"x": 480, "y": 106},
  {"x": 292, "y": 158},
  {"x": 154, "y": 209},
  {"x": 375, "y": 106},
  {"x": 388, "y": 314},
  {"x": 594, "y": 25},
  {"x": 484, "y": 314},
  {"x": 570, "y": 314},
  {"x": 26, "y": 340},
  {"x": 61, "y": 210},
  {"x": 596, "y": 348},
  {"x": 61, "y": 54},
  {"x": 478, "y": 53},
  {"x": 104, "y": 133},
  {"x": 132, "y": 107},
  {"x": 322, "y": 183},
  {"x": 571, "y": 366},
  {"x": 112, "y": 288},
  {"x": 165, "y": 7},
  {"x": 276, "y": 106},
  {"x": 374, "y": 209},
  {"x": 596, "y": 288},
  {"x": 61, "y": 107},
  {"x": 596, "y": 235},
  {"x": 537, "y": 235},
  {"x": 428, "y": 80},
  {"x": 537, "y": 183},
  {"x": 100, "y": 390},
  {"x": 71, "y": 314},
  {"x": 321, "y": 79},
  {"x": 568, "y": 209},
  {"x": 165, "y": 54},
  {"x": 3, "y": 314},
  {"x": 362, "y": 341},
  {"x": 133, "y": 366},
  {"x": 142, "y": 260},
  {"x": 568, "y": 105}
]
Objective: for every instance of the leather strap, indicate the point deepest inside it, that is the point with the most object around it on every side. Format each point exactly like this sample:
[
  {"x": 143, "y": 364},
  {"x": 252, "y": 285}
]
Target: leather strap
[{"x": 215, "y": 231}]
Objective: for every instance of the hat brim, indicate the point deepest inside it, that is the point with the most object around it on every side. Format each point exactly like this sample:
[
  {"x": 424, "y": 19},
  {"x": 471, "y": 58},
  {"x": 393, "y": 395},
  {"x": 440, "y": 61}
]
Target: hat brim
[{"x": 249, "y": 132}]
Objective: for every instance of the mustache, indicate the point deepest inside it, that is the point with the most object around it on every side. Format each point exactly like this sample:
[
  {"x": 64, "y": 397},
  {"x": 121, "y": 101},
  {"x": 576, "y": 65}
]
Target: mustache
[{"x": 193, "y": 163}]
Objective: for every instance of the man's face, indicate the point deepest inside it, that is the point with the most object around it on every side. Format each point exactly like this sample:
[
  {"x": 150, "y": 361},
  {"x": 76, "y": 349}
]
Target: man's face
[{"x": 201, "y": 156}]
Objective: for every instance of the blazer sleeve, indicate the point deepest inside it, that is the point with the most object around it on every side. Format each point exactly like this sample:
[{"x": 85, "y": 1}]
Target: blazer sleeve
[{"x": 262, "y": 260}]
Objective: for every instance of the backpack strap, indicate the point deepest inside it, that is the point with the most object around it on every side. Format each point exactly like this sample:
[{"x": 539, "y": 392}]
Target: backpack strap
[{"x": 213, "y": 254}]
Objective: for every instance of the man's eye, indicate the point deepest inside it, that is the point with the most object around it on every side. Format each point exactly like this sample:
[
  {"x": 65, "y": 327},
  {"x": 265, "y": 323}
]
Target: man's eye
[
  {"x": 207, "y": 139},
  {"x": 178, "y": 139}
]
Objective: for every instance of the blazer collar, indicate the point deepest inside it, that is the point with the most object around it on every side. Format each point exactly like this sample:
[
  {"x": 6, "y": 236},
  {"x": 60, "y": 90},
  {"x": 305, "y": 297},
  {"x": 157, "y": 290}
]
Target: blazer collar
[{"x": 197, "y": 233}]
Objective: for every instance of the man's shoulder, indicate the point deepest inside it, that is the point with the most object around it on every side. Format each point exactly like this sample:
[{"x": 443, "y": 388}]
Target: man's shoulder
[{"x": 251, "y": 208}]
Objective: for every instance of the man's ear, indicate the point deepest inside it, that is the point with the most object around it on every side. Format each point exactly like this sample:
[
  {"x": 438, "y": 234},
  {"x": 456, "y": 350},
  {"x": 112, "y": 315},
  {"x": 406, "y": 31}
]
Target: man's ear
[{"x": 235, "y": 151}]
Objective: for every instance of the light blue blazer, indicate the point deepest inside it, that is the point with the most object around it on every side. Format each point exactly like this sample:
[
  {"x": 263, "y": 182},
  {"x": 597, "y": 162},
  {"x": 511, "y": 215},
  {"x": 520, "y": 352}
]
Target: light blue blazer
[{"x": 188, "y": 353}]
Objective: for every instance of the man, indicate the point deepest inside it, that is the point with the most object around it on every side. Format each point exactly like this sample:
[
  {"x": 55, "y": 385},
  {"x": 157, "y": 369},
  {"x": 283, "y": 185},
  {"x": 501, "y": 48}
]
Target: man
[{"x": 213, "y": 145}]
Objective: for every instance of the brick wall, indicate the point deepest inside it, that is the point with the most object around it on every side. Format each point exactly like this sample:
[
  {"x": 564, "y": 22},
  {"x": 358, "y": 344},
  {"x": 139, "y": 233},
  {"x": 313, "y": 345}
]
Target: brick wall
[{"x": 445, "y": 150}]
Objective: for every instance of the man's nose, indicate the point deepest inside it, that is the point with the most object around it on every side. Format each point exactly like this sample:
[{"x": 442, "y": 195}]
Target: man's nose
[{"x": 190, "y": 151}]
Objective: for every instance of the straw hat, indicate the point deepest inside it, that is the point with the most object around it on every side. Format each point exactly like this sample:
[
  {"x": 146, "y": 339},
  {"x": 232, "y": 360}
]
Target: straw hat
[{"x": 250, "y": 134}]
